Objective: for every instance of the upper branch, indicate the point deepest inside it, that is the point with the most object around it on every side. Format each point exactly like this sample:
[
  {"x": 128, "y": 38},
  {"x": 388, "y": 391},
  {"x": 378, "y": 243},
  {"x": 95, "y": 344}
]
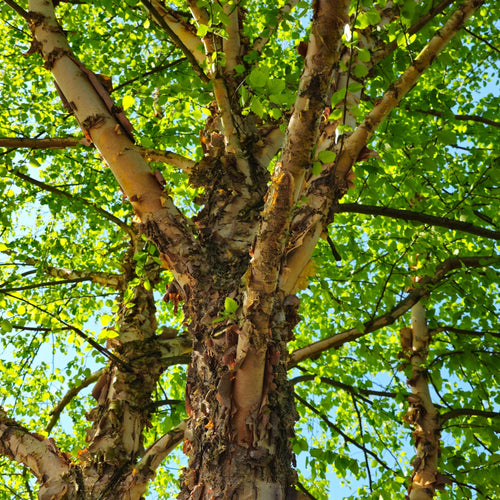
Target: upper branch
[
  {"x": 315, "y": 82},
  {"x": 46, "y": 143},
  {"x": 60, "y": 192},
  {"x": 423, "y": 288},
  {"x": 181, "y": 33},
  {"x": 468, "y": 412},
  {"x": 56, "y": 412},
  {"x": 385, "y": 50},
  {"x": 262, "y": 40},
  {"x": 464, "y": 118},
  {"x": 110, "y": 131},
  {"x": 466, "y": 227},
  {"x": 358, "y": 139},
  {"x": 150, "y": 154},
  {"x": 232, "y": 44}
]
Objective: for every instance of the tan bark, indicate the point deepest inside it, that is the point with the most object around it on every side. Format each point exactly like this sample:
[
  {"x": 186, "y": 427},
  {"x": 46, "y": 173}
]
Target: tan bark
[
  {"x": 240, "y": 405},
  {"x": 310, "y": 222},
  {"x": 51, "y": 467},
  {"x": 421, "y": 414},
  {"x": 184, "y": 31}
]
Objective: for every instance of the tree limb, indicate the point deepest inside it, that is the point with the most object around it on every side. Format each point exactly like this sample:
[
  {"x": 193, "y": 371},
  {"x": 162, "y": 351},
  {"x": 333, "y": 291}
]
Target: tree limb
[
  {"x": 382, "y": 52},
  {"x": 43, "y": 284},
  {"x": 407, "y": 215},
  {"x": 422, "y": 414},
  {"x": 310, "y": 222},
  {"x": 150, "y": 154},
  {"x": 46, "y": 143},
  {"x": 134, "y": 484},
  {"x": 56, "y": 412},
  {"x": 52, "y": 468},
  {"x": 18, "y": 9},
  {"x": 184, "y": 38},
  {"x": 150, "y": 72},
  {"x": 108, "y": 354},
  {"x": 260, "y": 42},
  {"x": 392, "y": 97},
  {"x": 169, "y": 157},
  {"x": 269, "y": 247},
  {"x": 482, "y": 39},
  {"x": 339, "y": 431},
  {"x": 468, "y": 412},
  {"x": 422, "y": 288},
  {"x": 346, "y": 387},
  {"x": 231, "y": 45},
  {"x": 116, "y": 281},
  {"x": 60, "y": 192},
  {"x": 463, "y": 118},
  {"x": 461, "y": 331}
]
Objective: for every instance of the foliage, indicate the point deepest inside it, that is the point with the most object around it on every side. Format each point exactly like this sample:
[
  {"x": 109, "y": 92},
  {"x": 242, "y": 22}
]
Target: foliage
[{"x": 438, "y": 154}]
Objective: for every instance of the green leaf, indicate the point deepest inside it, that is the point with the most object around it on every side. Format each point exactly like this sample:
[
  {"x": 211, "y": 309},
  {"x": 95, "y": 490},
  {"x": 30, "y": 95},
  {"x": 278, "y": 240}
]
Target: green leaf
[
  {"x": 364, "y": 55},
  {"x": 317, "y": 168},
  {"x": 326, "y": 156},
  {"x": 256, "y": 106},
  {"x": 127, "y": 102},
  {"x": 230, "y": 305},
  {"x": 202, "y": 30},
  {"x": 360, "y": 70},
  {"x": 106, "y": 319},
  {"x": 258, "y": 78},
  {"x": 5, "y": 326}
]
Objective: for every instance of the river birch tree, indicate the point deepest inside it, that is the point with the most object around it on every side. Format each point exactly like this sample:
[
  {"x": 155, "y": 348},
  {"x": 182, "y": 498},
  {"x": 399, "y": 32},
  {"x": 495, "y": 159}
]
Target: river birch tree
[{"x": 263, "y": 231}]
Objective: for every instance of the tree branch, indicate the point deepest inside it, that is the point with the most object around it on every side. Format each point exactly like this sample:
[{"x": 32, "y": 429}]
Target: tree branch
[
  {"x": 116, "y": 281},
  {"x": 464, "y": 118},
  {"x": 232, "y": 44},
  {"x": 332, "y": 184},
  {"x": 150, "y": 154},
  {"x": 18, "y": 9},
  {"x": 467, "y": 412},
  {"x": 392, "y": 97},
  {"x": 422, "y": 414},
  {"x": 46, "y": 143},
  {"x": 356, "y": 391},
  {"x": 56, "y": 412},
  {"x": 461, "y": 331},
  {"x": 339, "y": 431},
  {"x": 150, "y": 72},
  {"x": 384, "y": 51},
  {"x": 133, "y": 486},
  {"x": 169, "y": 157},
  {"x": 260, "y": 42},
  {"x": 422, "y": 288},
  {"x": 466, "y": 227},
  {"x": 52, "y": 468},
  {"x": 481, "y": 39},
  {"x": 185, "y": 39},
  {"x": 60, "y": 192},
  {"x": 108, "y": 354},
  {"x": 43, "y": 284}
]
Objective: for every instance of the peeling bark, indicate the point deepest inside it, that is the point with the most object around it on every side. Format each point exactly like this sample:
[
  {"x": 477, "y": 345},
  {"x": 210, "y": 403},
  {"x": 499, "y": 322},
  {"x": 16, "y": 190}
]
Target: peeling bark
[
  {"x": 251, "y": 243},
  {"x": 422, "y": 414}
]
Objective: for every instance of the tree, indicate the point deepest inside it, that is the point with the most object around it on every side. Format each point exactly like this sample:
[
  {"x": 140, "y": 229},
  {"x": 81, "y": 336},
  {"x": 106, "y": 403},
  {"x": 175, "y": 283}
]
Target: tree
[{"x": 301, "y": 261}]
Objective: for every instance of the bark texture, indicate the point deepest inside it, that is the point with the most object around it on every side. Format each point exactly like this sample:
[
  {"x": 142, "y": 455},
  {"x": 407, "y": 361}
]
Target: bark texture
[
  {"x": 422, "y": 413},
  {"x": 252, "y": 243}
]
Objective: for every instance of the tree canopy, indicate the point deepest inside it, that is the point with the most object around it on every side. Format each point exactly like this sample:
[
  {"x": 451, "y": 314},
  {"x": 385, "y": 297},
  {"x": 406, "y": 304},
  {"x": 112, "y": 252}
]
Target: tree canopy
[{"x": 311, "y": 203}]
